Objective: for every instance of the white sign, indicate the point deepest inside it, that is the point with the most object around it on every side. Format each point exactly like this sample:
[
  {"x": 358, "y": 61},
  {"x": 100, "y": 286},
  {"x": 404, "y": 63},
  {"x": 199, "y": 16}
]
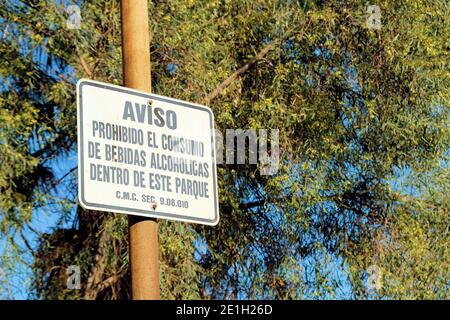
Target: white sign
[{"x": 145, "y": 154}]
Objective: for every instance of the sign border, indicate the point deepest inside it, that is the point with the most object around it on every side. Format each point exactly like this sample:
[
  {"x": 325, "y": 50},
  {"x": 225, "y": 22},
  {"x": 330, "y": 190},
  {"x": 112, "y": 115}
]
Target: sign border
[{"x": 139, "y": 212}]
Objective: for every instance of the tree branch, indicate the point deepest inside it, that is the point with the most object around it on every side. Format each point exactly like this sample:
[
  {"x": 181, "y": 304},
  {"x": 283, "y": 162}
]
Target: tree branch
[
  {"x": 238, "y": 72},
  {"x": 98, "y": 269},
  {"x": 57, "y": 182},
  {"x": 85, "y": 66},
  {"x": 109, "y": 282},
  {"x": 259, "y": 56}
]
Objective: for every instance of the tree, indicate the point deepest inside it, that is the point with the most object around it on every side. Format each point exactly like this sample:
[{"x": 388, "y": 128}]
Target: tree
[{"x": 358, "y": 109}]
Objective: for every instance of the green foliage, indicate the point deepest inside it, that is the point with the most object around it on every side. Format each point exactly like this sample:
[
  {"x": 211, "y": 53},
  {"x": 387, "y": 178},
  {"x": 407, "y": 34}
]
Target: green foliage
[{"x": 358, "y": 110}]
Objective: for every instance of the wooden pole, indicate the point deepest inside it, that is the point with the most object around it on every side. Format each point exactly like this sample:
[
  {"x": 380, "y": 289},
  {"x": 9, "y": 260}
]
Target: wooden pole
[{"x": 143, "y": 232}]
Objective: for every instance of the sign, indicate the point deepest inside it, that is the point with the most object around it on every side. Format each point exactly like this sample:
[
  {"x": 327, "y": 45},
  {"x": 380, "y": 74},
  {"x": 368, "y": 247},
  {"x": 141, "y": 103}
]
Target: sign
[{"x": 145, "y": 154}]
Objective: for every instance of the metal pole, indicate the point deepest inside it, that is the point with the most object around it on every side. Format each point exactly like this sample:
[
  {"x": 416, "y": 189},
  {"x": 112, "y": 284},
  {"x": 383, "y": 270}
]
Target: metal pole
[{"x": 143, "y": 232}]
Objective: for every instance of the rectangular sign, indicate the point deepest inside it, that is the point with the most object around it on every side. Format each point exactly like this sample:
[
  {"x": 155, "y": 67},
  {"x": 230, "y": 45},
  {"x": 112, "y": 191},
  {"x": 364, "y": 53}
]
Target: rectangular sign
[{"x": 145, "y": 154}]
